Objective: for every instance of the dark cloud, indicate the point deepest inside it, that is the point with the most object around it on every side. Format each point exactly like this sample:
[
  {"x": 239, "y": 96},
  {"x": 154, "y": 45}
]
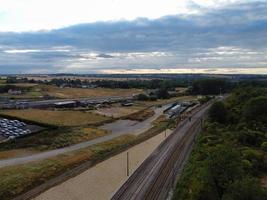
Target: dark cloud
[{"x": 187, "y": 38}]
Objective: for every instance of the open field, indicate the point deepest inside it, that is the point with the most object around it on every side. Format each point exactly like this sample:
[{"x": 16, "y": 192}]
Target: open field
[
  {"x": 57, "y": 92},
  {"x": 117, "y": 111},
  {"x": 35, "y": 91},
  {"x": 58, "y": 118},
  {"x": 18, "y": 179}
]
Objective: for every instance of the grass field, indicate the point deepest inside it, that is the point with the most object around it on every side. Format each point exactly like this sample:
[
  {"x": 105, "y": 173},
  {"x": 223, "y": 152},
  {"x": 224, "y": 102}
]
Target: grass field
[
  {"x": 58, "y": 118},
  {"x": 35, "y": 91},
  {"x": 79, "y": 92}
]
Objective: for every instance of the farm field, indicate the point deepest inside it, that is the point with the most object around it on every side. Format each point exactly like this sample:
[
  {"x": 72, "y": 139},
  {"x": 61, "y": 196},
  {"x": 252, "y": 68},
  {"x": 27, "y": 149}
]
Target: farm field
[
  {"x": 116, "y": 110},
  {"x": 80, "y": 93},
  {"x": 58, "y": 118},
  {"x": 37, "y": 91}
]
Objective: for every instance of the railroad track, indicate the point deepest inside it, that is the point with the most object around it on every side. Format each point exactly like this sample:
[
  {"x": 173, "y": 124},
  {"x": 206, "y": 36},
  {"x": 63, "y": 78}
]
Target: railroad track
[{"x": 155, "y": 176}]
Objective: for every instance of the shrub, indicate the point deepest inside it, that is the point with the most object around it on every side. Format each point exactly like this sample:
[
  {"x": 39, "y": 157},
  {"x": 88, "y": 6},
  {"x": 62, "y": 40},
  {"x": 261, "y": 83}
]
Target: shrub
[
  {"x": 264, "y": 146},
  {"x": 218, "y": 112},
  {"x": 245, "y": 189}
]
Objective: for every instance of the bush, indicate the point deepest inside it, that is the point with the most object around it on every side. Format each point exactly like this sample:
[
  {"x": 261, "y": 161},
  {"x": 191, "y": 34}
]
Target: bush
[
  {"x": 218, "y": 112},
  {"x": 142, "y": 97},
  {"x": 250, "y": 137},
  {"x": 245, "y": 189},
  {"x": 256, "y": 110},
  {"x": 225, "y": 166},
  {"x": 264, "y": 146}
]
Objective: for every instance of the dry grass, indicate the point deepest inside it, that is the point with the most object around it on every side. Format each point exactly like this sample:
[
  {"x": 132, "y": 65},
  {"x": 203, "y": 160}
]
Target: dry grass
[
  {"x": 79, "y": 92},
  {"x": 160, "y": 119},
  {"x": 59, "y": 118},
  {"x": 118, "y": 111},
  {"x": 16, "y": 153},
  {"x": 141, "y": 115}
]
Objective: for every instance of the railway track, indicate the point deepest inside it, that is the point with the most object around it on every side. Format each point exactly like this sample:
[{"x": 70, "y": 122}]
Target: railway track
[{"x": 156, "y": 175}]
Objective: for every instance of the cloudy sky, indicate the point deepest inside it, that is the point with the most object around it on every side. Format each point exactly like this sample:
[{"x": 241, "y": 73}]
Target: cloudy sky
[{"x": 140, "y": 36}]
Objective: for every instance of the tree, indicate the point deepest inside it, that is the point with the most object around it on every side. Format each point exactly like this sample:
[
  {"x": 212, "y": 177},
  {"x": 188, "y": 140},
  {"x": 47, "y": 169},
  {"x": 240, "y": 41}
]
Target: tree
[
  {"x": 162, "y": 93},
  {"x": 225, "y": 167},
  {"x": 142, "y": 97},
  {"x": 245, "y": 189},
  {"x": 209, "y": 86},
  {"x": 218, "y": 112},
  {"x": 256, "y": 110}
]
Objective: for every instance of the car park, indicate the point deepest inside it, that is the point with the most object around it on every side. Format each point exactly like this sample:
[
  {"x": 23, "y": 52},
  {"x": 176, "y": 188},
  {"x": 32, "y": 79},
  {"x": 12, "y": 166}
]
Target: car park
[{"x": 12, "y": 129}]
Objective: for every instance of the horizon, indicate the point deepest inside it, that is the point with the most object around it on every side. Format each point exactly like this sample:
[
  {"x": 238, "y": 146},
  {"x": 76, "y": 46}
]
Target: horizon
[{"x": 215, "y": 36}]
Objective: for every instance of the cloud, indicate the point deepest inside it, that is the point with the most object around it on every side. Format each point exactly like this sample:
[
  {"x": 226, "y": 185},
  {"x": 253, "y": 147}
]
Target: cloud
[{"x": 224, "y": 37}]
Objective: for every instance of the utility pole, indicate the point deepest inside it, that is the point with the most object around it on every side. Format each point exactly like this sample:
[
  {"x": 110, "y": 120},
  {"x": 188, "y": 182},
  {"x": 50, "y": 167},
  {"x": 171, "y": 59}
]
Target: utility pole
[{"x": 127, "y": 163}]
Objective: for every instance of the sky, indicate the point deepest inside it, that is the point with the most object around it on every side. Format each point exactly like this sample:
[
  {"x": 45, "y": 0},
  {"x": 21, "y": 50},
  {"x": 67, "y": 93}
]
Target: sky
[{"x": 141, "y": 36}]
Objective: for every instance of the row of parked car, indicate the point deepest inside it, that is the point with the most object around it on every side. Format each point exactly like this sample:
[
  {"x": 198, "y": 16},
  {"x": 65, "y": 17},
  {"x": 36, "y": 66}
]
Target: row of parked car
[{"x": 13, "y": 128}]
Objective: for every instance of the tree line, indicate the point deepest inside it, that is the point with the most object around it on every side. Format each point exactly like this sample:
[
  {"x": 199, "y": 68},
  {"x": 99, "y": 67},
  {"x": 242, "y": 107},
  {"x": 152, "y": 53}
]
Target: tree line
[{"x": 229, "y": 158}]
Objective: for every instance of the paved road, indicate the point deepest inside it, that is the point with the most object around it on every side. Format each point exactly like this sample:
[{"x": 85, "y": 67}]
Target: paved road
[{"x": 137, "y": 128}]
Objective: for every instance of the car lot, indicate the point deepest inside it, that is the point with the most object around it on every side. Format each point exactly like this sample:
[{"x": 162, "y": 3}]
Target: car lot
[{"x": 12, "y": 129}]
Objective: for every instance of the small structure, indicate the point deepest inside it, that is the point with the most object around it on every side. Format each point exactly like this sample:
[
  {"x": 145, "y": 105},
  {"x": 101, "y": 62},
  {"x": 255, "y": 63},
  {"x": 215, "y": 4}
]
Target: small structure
[
  {"x": 127, "y": 103},
  {"x": 66, "y": 104},
  {"x": 14, "y": 92}
]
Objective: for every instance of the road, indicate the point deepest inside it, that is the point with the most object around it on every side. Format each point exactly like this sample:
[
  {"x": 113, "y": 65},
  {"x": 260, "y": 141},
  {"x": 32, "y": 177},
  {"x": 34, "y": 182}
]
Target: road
[
  {"x": 155, "y": 177},
  {"x": 137, "y": 128},
  {"x": 95, "y": 100}
]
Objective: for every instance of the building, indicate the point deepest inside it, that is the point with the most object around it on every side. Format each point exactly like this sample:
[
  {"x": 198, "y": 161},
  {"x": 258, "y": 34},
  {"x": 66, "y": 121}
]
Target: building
[
  {"x": 66, "y": 104},
  {"x": 14, "y": 92}
]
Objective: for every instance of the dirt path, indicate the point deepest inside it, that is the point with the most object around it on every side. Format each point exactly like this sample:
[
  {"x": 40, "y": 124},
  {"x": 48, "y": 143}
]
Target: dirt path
[
  {"x": 121, "y": 127},
  {"x": 102, "y": 181}
]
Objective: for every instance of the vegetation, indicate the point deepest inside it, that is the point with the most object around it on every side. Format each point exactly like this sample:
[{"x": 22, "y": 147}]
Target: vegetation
[
  {"x": 141, "y": 115},
  {"x": 210, "y": 86},
  {"x": 58, "y": 118},
  {"x": 229, "y": 157},
  {"x": 54, "y": 139}
]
